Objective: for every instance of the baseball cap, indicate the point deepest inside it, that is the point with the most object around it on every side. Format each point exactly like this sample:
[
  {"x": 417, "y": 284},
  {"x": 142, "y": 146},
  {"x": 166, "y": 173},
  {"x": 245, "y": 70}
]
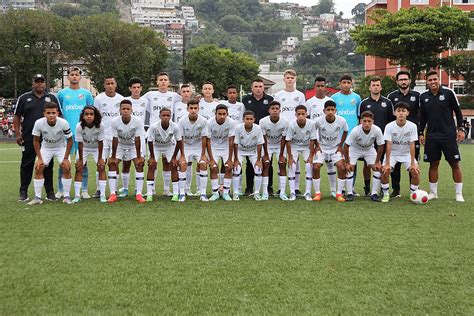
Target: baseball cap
[
  {"x": 74, "y": 68},
  {"x": 38, "y": 77}
]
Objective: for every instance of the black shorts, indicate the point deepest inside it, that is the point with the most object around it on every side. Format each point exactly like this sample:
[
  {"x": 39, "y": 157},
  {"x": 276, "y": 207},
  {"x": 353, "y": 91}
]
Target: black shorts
[{"x": 449, "y": 148}]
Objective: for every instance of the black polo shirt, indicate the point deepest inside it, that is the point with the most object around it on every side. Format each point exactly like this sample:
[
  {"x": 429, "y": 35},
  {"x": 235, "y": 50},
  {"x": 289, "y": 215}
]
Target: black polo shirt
[
  {"x": 259, "y": 107},
  {"x": 382, "y": 109},
  {"x": 30, "y": 108},
  {"x": 412, "y": 98},
  {"x": 436, "y": 114}
]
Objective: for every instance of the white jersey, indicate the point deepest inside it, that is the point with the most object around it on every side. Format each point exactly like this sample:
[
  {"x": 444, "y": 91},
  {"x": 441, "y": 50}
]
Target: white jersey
[
  {"x": 164, "y": 137},
  {"x": 139, "y": 108},
  {"x": 90, "y": 136},
  {"x": 289, "y": 101},
  {"x": 219, "y": 134},
  {"x": 207, "y": 109},
  {"x": 248, "y": 141},
  {"x": 315, "y": 106},
  {"x": 236, "y": 110},
  {"x": 109, "y": 108},
  {"x": 300, "y": 137},
  {"x": 401, "y": 137},
  {"x": 362, "y": 141},
  {"x": 126, "y": 133},
  {"x": 158, "y": 100},
  {"x": 180, "y": 109},
  {"x": 273, "y": 131},
  {"x": 53, "y": 136},
  {"x": 193, "y": 132},
  {"x": 330, "y": 134}
]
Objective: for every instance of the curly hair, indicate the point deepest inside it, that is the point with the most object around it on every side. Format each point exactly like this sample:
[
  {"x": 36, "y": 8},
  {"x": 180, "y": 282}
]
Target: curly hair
[{"x": 97, "y": 116}]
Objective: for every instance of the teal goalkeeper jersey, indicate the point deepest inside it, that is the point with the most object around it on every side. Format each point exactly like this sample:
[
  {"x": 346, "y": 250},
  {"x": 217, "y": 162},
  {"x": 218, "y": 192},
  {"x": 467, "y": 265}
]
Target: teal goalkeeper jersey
[
  {"x": 347, "y": 106},
  {"x": 72, "y": 102}
]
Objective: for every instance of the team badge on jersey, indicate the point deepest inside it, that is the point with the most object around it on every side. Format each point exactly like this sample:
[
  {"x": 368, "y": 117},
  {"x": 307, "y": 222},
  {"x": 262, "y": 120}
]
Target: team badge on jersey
[
  {"x": 265, "y": 101},
  {"x": 442, "y": 98},
  {"x": 81, "y": 96},
  {"x": 283, "y": 99},
  {"x": 407, "y": 134},
  {"x": 28, "y": 100},
  {"x": 169, "y": 99},
  {"x": 384, "y": 105},
  {"x": 426, "y": 100},
  {"x": 369, "y": 106},
  {"x": 396, "y": 99},
  {"x": 297, "y": 99},
  {"x": 47, "y": 99},
  {"x": 353, "y": 101},
  {"x": 412, "y": 99}
]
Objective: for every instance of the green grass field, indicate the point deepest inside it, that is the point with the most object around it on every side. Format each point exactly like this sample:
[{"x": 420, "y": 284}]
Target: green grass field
[{"x": 241, "y": 257}]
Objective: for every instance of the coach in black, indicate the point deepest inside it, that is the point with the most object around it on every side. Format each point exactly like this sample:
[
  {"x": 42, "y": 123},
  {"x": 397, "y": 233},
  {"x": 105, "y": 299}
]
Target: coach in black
[
  {"x": 29, "y": 107},
  {"x": 412, "y": 98},
  {"x": 257, "y": 102},
  {"x": 442, "y": 133}
]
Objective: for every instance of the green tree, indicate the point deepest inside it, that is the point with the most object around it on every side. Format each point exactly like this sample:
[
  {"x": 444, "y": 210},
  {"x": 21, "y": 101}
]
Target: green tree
[
  {"x": 212, "y": 35},
  {"x": 362, "y": 85},
  {"x": 220, "y": 66},
  {"x": 234, "y": 23},
  {"x": 414, "y": 37},
  {"x": 461, "y": 66},
  {"x": 323, "y": 6},
  {"x": 112, "y": 47},
  {"x": 359, "y": 13}
]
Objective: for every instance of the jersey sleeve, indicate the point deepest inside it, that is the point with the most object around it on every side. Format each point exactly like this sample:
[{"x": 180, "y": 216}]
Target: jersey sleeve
[
  {"x": 113, "y": 128},
  {"x": 177, "y": 134},
  {"x": 97, "y": 104},
  {"x": 101, "y": 132},
  {"x": 89, "y": 99},
  {"x": 313, "y": 132},
  {"x": 262, "y": 127},
  {"x": 20, "y": 106},
  {"x": 350, "y": 138},
  {"x": 387, "y": 135},
  {"x": 379, "y": 137},
  {"x": 345, "y": 127},
  {"x": 232, "y": 125},
  {"x": 289, "y": 133},
  {"x": 413, "y": 132},
  {"x": 261, "y": 140},
  {"x": 66, "y": 129},
  {"x": 150, "y": 134},
  {"x": 78, "y": 136},
  {"x": 139, "y": 129},
  {"x": 37, "y": 128},
  {"x": 236, "y": 134}
]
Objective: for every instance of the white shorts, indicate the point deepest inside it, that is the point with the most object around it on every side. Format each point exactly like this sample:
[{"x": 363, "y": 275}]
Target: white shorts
[
  {"x": 89, "y": 152},
  {"x": 369, "y": 155},
  {"x": 164, "y": 152},
  {"x": 220, "y": 153},
  {"x": 405, "y": 160},
  {"x": 143, "y": 144},
  {"x": 126, "y": 153},
  {"x": 192, "y": 153},
  {"x": 296, "y": 152},
  {"x": 253, "y": 159},
  {"x": 328, "y": 158},
  {"x": 275, "y": 151},
  {"x": 106, "y": 148},
  {"x": 48, "y": 153}
]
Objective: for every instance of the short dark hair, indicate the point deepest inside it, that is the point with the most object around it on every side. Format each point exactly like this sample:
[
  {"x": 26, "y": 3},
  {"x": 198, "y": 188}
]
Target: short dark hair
[
  {"x": 329, "y": 103},
  {"x": 431, "y": 73},
  {"x": 51, "y": 105},
  {"x": 231, "y": 86},
  {"x": 320, "y": 79},
  {"x": 402, "y": 72},
  {"x": 185, "y": 85},
  {"x": 110, "y": 77},
  {"x": 134, "y": 80},
  {"x": 207, "y": 82},
  {"x": 274, "y": 103},
  {"x": 301, "y": 107},
  {"x": 367, "y": 114},
  {"x": 401, "y": 105},
  {"x": 221, "y": 106},
  {"x": 163, "y": 109},
  {"x": 375, "y": 78},
  {"x": 124, "y": 102},
  {"x": 162, "y": 74},
  {"x": 257, "y": 80},
  {"x": 192, "y": 102},
  {"x": 248, "y": 112},
  {"x": 345, "y": 77}
]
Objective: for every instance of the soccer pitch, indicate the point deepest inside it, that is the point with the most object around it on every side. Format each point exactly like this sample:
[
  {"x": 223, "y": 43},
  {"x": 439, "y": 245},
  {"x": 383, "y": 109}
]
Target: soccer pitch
[{"x": 242, "y": 257}]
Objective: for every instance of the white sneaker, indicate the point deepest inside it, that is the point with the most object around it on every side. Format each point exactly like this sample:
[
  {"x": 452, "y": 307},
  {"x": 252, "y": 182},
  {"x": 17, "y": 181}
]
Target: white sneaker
[
  {"x": 283, "y": 197},
  {"x": 432, "y": 196},
  {"x": 167, "y": 193},
  {"x": 214, "y": 197},
  {"x": 189, "y": 193},
  {"x": 236, "y": 196},
  {"x": 85, "y": 195},
  {"x": 292, "y": 197},
  {"x": 204, "y": 198},
  {"x": 59, "y": 194},
  {"x": 35, "y": 201},
  {"x": 459, "y": 197},
  {"x": 333, "y": 194},
  {"x": 307, "y": 197},
  {"x": 264, "y": 196}
]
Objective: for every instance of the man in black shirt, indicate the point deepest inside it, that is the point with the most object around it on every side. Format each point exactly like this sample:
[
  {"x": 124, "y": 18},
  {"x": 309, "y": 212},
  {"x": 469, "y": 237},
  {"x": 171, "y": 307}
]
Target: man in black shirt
[
  {"x": 382, "y": 109},
  {"x": 29, "y": 107},
  {"x": 437, "y": 105},
  {"x": 412, "y": 98},
  {"x": 258, "y": 102}
]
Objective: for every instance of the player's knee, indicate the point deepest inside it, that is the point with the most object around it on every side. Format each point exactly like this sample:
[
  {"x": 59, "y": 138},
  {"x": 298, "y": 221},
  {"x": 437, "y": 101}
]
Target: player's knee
[{"x": 202, "y": 165}]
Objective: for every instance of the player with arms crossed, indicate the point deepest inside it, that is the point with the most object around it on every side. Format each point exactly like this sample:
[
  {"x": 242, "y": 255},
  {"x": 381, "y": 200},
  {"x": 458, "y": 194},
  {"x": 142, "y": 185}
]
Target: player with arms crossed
[
  {"x": 332, "y": 131},
  {"x": 90, "y": 142},
  {"x": 248, "y": 142},
  {"x": 300, "y": 140},
  {"x": 360, "y": 145},
  {"x": 52, "y": 130},
  {"x": 274, "y": 128},
  {"x": 126, "y": 131},
  {"x": 164, "y": 140},
  {"x": 220, "y": 143},
  {"x": 400, "y": 136}
]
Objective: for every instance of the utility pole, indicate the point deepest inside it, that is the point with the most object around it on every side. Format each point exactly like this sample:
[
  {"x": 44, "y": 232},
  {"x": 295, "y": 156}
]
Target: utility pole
[{"x": 184, "y": 54}]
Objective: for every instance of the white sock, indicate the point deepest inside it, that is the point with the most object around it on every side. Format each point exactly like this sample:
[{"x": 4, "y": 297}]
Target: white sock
[
  {"x": 77, "y": 188},
  {"x": 317, "y": 185},
  {"x": 292, "y": 178},
  {"x": 125, "y": 180},
  {"x": 236, "y": 179},
  {"x": 297, "y": 176},
  {"x": 350, "y": 182},
  {"x": 309, "y": 178},
  {"x": 182, "y": 182},
  {"x": 221, "y": 178},
  {"x": 413, "y": 188},
  {"x": 189, "y": 176},
  {"x": 385, "y": 187},
  {"x": 139, "y": 178},
  {"x": 102, "y": 186},
  {"x": 331, "y": 170},
  {"x": 215, "y": 185},
  {"x": 175, "y": 185},
  {"x": 257, "y": 183},
  {"x": 265, "y": 185},
  {"x": 458, "y": 188},
  {"x": 376, "y": 182},
  {"x": 38, "y": 184},
  {"x": 227, "y": 183},
  {"x": 113, "y": 182},
  {"x": 203, "y": 181},
  {"x": 97, "y": 183},
  {"x": 282, "y": 184},
  {"x": 66, "y": 186},
  {"x": 150, "y": 184},
  {"x": 166, "y": 180},
  {"x": 434, "y": 188},
  {"x": 341, "y": 184}
]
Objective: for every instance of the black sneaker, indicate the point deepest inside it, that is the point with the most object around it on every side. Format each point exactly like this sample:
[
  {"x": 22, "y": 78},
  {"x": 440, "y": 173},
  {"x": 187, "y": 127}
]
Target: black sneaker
[
  {"x": 374, "y": 198},
  {"x": 96, "y": 195},
  {"x": 350, "y": 198},
  {"x": 248, "y": 192},
  {"x": 270, "y": 191},
  {"x": 366, "y": 191},
  {"x": 297, "y": 192},
  {"x": 23, "y": 197},
  {"x": 51, "y": 197},
  {"x": 395, "y": 193}
]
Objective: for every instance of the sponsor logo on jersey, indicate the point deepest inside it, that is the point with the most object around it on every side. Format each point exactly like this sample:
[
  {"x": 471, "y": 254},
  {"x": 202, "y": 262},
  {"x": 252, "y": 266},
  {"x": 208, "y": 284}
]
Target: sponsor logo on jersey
[{"x": 73, "y": 107}]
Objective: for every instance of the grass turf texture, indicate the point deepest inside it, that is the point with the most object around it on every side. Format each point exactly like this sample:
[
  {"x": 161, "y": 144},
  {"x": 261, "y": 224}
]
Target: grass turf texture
[{"x": 243, "y": 257}]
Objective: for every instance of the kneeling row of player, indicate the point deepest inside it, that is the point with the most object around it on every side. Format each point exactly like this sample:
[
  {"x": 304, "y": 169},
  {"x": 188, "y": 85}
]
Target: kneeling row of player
[{"x": 220, "y": 139}]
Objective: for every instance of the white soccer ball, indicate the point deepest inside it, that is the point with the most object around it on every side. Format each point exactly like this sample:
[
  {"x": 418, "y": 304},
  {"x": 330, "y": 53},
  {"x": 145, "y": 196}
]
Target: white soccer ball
[{"x": 419, "y": 197}]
